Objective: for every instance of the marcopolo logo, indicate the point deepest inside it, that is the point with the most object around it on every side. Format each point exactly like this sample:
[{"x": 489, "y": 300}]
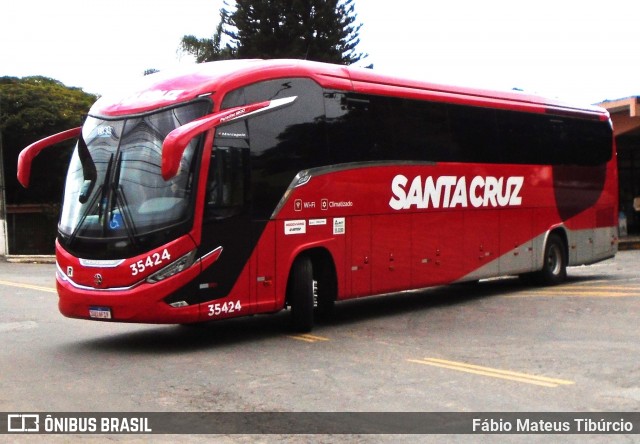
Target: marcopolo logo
[{"x": 454, "y": 191}]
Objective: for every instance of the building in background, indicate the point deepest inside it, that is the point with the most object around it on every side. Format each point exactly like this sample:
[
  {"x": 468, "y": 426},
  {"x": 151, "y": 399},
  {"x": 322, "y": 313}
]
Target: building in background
[{"x": 625, "y": 114}]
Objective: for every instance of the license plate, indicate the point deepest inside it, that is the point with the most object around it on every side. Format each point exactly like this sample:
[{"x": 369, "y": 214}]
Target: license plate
[{"x": 100, "y": 312}]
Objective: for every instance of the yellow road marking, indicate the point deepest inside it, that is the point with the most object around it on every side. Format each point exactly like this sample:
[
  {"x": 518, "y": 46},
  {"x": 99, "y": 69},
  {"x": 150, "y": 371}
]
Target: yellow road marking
[
  {"x": 493, "y": 372},
  {"x": 29, "y": 286},
  {"x": 308, "y": 338},
  {"x": 596, "y": 294},
  {"x": 600, "y": 287},
  {"x": 604, "y": 291}
]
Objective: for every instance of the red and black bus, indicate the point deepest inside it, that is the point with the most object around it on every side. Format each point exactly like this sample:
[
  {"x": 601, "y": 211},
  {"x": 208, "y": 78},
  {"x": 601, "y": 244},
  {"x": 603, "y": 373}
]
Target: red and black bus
[{"x": 251, "y": 186}]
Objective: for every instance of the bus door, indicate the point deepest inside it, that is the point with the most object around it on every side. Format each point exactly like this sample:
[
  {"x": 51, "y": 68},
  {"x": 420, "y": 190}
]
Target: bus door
[{"x": 227, "y": 222}]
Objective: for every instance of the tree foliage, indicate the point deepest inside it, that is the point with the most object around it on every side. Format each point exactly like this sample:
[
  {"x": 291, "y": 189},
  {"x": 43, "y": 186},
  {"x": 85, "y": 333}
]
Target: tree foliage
[
  {"x": 320, "y": 30},
  {"x": 32, "y": 108}
]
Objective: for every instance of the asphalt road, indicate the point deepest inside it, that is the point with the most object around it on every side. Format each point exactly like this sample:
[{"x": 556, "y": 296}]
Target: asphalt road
[{"x": 498, "y": 346}]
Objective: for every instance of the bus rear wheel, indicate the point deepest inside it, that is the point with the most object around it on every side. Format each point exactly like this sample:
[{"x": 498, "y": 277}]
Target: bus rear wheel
[
  {"x": 554, "y": 267},
  {"x": 301, "y": 290}
]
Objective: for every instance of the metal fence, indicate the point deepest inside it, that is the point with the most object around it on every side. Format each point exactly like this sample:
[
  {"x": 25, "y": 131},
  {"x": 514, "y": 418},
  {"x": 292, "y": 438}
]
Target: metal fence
[{"x": 31, "y": 229}]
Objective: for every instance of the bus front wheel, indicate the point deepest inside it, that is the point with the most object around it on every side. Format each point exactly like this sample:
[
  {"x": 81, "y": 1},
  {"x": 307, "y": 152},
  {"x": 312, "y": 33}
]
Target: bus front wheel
[{"x": 300, "y": 294}]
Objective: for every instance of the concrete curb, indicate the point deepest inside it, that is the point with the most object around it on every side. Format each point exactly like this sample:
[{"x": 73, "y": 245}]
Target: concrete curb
[
  {"x": 31, "y": 259},
  {"x": 629, "y": 245}
]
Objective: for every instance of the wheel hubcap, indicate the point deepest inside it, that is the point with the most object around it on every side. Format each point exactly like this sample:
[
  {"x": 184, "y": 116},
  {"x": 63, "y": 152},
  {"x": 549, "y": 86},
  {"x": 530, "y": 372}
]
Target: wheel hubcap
[{"x": 554, "y": 260}]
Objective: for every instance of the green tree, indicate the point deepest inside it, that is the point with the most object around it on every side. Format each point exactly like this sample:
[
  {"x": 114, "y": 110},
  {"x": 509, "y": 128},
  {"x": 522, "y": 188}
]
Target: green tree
[
  {"x": 32, "y": 108},
  {"x": 320, "y": 30},
  {"x": 208, "y": 49}
]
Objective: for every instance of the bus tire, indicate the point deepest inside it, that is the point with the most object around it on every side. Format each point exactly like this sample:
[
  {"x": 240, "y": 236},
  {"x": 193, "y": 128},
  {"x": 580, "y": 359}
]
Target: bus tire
[
  {"x": 554, "y": 266},
  {"x": 300, "y": 294}
]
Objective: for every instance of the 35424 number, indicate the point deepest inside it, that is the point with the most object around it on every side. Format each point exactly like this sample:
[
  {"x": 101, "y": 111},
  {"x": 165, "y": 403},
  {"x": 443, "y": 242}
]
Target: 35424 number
[
  {"x": 224, "y": 308},
  {"x": 153, "y": 260}
]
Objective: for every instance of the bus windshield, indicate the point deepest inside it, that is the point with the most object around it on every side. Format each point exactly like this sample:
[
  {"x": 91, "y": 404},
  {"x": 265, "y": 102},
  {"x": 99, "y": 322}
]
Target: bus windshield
[{"x": 114, "y": 188}]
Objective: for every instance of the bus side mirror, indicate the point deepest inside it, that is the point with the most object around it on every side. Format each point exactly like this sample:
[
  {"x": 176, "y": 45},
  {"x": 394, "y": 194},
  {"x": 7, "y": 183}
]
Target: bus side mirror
[
  {"x": 177, "y": 140},
  {"x": 29, "y": 153}
]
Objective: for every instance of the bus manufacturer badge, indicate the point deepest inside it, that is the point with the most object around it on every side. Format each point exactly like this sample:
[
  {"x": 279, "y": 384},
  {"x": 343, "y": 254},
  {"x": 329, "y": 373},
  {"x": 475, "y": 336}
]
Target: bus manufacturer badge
[
  {"x": 97, "y": 279},
  {"x": 70, "y": 271}
]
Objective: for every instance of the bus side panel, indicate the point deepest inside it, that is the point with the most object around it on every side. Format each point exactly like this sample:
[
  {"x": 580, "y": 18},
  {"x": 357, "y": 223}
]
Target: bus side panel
[
  {"x": 436, "y": 247},
  {"x": 391, "y": 248},
  {"x": 516, "y": 243},
  {"x": 258, "y": 286},
  {"x": 605, "y": 233},
  {"x": 605, "y": 243},
  {"x": 294, "y": 237},
  {"x": 244, "y": 275},
  {"x": 544, "y": 219},
  {"x": 358, "y": 268},
  {"x": 595, "y": 230},
  {"x": 581, "y": 238},
  {"x": 481, "y": 242},
  {"x": 263, "y": 279},
  {"x": 579, "y": 192},
  {"x": 239, "y": 301}
]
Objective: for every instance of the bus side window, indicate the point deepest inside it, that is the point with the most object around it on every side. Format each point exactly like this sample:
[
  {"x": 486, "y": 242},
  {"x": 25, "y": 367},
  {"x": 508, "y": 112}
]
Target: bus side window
[
  {"x": 227, "y": 183},
  {"x": 349, "y": 133}
]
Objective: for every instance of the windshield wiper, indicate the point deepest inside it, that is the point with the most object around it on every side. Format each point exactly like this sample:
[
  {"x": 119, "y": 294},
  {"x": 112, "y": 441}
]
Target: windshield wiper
[
  {"x": 100, "y": 196},
  {"x": 103, "y": 205},
  {"x": 114, "y": 196},
  {"x": 117, "y": 200},
  {"x": 85, "y": 214},
  {"x": 115, "y": 183},
  {"x": 125, "y": 214}
]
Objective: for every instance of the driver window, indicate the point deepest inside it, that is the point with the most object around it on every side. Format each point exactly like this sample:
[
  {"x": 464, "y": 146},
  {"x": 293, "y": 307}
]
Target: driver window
[{"x": 227, "y": 183}]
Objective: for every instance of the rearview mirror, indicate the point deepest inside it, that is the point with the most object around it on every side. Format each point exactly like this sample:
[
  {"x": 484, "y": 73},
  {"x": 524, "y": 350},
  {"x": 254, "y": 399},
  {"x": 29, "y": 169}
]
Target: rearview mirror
[{"x": 29, "y": 153}]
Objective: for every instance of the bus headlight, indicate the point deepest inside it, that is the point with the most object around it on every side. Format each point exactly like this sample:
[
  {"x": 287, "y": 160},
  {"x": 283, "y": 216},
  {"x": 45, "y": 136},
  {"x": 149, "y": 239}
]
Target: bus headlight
[{"x": 175, "y": 267}]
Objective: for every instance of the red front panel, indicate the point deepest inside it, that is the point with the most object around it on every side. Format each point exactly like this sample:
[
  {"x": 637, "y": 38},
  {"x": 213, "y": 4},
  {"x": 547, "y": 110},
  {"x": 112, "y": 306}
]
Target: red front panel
[{"x": 120, "y": 287}]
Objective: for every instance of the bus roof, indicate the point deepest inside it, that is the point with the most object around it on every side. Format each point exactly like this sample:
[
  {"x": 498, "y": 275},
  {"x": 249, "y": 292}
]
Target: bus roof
[{"x": 168, "y": 88}]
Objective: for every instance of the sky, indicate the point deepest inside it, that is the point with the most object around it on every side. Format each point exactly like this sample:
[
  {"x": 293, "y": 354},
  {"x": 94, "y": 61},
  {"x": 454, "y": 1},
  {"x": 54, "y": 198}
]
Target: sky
[{"x": 581, "y": 51}]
